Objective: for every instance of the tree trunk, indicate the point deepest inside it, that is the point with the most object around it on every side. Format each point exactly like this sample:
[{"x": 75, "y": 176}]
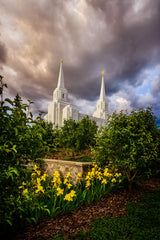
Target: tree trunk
[{"x": 130, "y": 186}]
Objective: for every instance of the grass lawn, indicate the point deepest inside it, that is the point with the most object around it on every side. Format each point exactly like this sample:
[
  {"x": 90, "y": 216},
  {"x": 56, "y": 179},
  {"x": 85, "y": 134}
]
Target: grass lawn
[{"x": 141, "y": 222}]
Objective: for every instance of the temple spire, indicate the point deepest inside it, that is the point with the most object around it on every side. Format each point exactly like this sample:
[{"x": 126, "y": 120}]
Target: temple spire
[
  {"x": 102, "y": 92},
  {"x": 61, "y": 78},
  {"x": 102, "y": 104}
]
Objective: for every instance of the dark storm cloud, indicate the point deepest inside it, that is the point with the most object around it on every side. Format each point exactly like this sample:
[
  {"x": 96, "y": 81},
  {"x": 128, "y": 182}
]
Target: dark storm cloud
[
  {"x": 120, "y": 37},
  {"x": 133, "y": 47}
]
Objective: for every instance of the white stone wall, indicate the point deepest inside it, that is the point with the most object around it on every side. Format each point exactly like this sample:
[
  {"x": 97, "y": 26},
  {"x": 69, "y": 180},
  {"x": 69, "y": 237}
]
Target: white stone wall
[{"x": 65, "y": 167}]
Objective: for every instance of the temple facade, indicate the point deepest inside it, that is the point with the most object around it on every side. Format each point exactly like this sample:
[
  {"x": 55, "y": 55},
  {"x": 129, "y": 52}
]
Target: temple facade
[{"x": 61, "y": 109}]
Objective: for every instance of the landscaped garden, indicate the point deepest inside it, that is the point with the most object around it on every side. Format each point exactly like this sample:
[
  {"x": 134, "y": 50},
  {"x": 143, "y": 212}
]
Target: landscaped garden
[{"x": 125, "y": 153}]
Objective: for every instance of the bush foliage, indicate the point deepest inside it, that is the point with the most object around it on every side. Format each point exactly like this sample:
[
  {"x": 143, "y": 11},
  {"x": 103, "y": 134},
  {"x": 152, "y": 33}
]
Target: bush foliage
[
  {"x": 21, "y": 141},
  {"x": 78, "y": 136},
  {"x": 130, "y": 142}
]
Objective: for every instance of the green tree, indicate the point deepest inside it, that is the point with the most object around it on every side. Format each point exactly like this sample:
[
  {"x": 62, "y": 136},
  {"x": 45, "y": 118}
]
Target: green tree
[
  {"x": 86, "y": 131},
  {"x": 21, "y": 141},
  {"x": 17, "y": 101},
  {"x": 130, "y": 143},
  {"x": 78, "y": 136},
  {"x": 69, "y": 136},
  {"x": 52, "y": 136}
]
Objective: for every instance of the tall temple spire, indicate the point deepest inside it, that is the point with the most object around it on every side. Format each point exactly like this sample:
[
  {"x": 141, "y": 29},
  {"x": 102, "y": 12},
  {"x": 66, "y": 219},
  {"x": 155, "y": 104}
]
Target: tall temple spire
[
  {"x": 102, "y": 104},
  {"x": 60, "y": 93},
  {"x": 102, "y": 92},
  {"x": 60, "y": 78}
]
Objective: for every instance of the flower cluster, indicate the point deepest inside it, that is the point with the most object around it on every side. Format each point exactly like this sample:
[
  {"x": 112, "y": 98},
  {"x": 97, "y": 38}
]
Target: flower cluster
[
  {"x": 59, "y": 191},
  {"x": 56, "y": 179},
  {"x": 67, "y": 181},
  {"x": 36, "y": 183},
  {"x": 65, "y": 190},
  {"x": 79, "y": 177},
  {"x": 105, "y": 176},
  {"x": 69, "y": 196}
]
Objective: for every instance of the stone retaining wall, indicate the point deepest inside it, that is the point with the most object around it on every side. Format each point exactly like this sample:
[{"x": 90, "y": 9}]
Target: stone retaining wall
[{"x": 67, "y": 166}]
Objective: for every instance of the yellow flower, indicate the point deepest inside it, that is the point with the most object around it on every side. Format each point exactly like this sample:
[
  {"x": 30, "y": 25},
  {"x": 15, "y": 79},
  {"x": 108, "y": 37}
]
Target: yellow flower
[
  {"x": 79, "y": 176},
  {"x": 88, "y": 184},
  {"x": 73, "y": 193},
  {"x": 113, "y": 180},
  {"x": 88, "y": 175},
  {"x": 38, "y": 172},
  {"x": 109, "y": 175},
  {"x": 69, "y": 185},
  {"x": 23, "y": 183},
  {"x": 69, "y": 196},
  {"x": 25, "y": 191},
  {"x": 56, "y": 179},
  {"x": 35, "y": 167},
  {"x": 56, "y": 174},
  {"x": 33, "y": 174},
  {"x": 20, "y": 187},
  {"x": 87, "y": 178},
  {"x": 120, "y": 180},
  {"x": 65, "y": 181},
  {"x": 116, "y": 175},
  {"x": 39, "y": 189},
  {"x": 59, "y": 191},
  {"x": 69, "y": 175},
  {"x": 104, "y": 181},
  {"x": 38, "y": 180},
  {"x": 105, "y": 172},
  {"x": 44, "y": 176},
  {"x": 92, "y": 175},
  {"x": 99, "y": 175}
]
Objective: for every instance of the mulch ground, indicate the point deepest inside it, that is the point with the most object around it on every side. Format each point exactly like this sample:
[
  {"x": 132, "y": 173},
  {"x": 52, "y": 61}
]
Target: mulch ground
[{"x": 112, "y": 204}]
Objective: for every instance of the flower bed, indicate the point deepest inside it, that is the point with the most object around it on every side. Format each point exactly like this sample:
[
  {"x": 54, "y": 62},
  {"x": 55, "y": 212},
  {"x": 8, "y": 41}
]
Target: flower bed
[{"x": 45, "y": 196}]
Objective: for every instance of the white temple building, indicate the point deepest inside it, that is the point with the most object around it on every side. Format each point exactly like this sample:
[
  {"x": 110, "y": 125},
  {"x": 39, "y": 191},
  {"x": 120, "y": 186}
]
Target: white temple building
[{"x": 60, "y": 108}]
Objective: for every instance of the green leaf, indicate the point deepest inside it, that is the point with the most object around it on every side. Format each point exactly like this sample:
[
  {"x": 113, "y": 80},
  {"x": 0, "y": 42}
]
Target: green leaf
[
  {"x": 9, "y": 101},
  {"x": 9, "y": 221}
]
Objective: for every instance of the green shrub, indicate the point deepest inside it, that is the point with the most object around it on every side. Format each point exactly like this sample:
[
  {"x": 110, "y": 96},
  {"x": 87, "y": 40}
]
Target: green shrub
[
  {"x": 131, "y": 143},
  {"x": 51, "y": 136},
  {"x": 21, "y": 142},
  {"x": 78, "y": 136}
]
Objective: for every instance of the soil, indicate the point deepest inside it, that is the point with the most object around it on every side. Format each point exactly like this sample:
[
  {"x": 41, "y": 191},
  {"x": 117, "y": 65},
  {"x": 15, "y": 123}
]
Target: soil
[
  {"x": 63, "y": 154},
  {"x": 112, "y": 204}
]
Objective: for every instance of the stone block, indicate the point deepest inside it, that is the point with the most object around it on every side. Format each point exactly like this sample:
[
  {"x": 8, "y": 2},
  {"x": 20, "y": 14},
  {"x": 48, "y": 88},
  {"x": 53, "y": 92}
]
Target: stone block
[{"x": 65, "y": 167}]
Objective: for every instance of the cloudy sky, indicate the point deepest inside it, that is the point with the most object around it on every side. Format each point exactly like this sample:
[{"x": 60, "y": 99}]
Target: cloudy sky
[{"x": 121, "y": 37}]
